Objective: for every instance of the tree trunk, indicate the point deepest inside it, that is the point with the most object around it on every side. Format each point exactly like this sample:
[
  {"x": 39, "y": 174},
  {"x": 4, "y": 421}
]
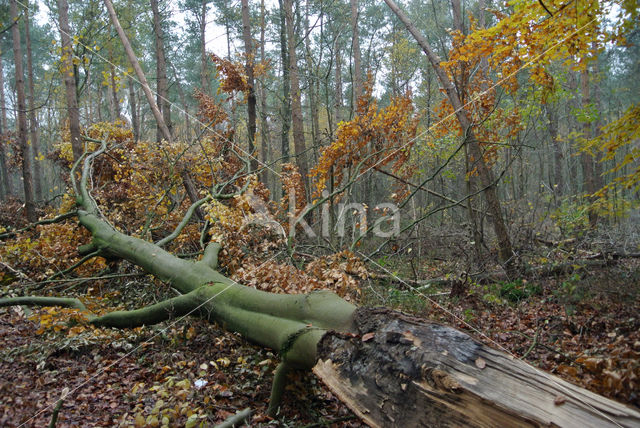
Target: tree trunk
[
  {"x": 552, "y": 117},
  {"x": 113, "y": 92},
  {"x": 251, "y": 95},
  {"x": 4, "y": 173},
  {"x": 312, "y": 82},
  {"x": 398, "y": 370},
  {"x": 33, "y": 124},
  {"x": 204, "y": 72},
  {"x": 357, "y": 67},
  {"x": 338, "y": 88},
  {"x": 505, "y": 251},
  {"x": 296, "y": 103},
  {"x": 286, "y": 86},
  {"x": 265, "y": 135},
  {"x": 586, "y": 159},
  {"x": 27, "y": 180},
  {"x": 68, "y": 76},
  {"x": 135, "y": 122},
  {"x": 162, "y": 90}
]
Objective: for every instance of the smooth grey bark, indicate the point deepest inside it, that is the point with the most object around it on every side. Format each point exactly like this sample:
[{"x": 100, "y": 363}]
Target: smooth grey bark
[
  {"x": 27, "y": 180},
  {"x": 68, "y": 76}
]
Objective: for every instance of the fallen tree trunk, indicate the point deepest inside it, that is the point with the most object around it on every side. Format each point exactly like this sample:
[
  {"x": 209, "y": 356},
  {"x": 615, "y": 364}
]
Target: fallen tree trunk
[
  {"x": 403, "y": 371},
  {"x": 391, "y": 369}
]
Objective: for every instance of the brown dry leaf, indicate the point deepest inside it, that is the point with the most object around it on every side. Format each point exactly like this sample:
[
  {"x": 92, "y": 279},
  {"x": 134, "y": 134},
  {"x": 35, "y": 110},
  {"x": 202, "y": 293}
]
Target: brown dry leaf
[{"x": 368, "y": 336}]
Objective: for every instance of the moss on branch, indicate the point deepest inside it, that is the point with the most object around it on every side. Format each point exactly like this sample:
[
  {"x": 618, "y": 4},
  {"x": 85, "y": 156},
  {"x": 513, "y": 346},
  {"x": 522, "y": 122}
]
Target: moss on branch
[{"x": 63, "y": 302}]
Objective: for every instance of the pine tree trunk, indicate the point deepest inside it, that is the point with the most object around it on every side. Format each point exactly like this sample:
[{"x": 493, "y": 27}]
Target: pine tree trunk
[
  {"x": 586, "y": 159},
  {"x": 204, "y": 72},
  {"x": 285, "y": 113},
  {"x": 33, "y": 124},
  {"x": 357, "y": 59},
  {"x": 27, "y": 180},
  {"x": 68, "y": 76},
  {"x": 296, "y": 97},
  {"x": 265, "y": 135},
  {"x": 251, "y": 95},
  {"x": 6, "y": 187},
  {"x": 161, "y": 73}
]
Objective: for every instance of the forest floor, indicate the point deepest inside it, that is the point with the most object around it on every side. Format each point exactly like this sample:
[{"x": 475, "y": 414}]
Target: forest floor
[{"x": 583, "y": 327}]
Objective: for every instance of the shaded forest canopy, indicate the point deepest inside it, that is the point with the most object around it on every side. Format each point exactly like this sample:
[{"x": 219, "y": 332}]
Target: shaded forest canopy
[{"x": 469, "y": 162}]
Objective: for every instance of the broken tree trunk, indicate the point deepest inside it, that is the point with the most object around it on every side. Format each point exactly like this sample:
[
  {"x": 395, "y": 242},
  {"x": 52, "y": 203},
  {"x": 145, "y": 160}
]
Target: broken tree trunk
[
  {"x": 391, "y": 369},
  {"x": 403, "y": 371}
]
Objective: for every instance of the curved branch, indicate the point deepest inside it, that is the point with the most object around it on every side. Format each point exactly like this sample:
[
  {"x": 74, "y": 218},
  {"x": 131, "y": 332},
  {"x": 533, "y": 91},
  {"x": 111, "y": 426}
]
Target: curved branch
[
  {"x": 154, "y": 314},
  {"x": 63, "y": 302},
  {"x": 38, "y": 223},
  {"x": 185, "y": 220},
  {"x": 75, "y": 265}
]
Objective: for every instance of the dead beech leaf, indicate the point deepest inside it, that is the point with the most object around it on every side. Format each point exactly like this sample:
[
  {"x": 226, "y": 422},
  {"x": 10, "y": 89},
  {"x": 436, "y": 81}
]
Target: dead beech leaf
[
  {"x": 480, "y": 363},
  {"x": 368, "y": 336},
  {"x": 559, "y": 400}
]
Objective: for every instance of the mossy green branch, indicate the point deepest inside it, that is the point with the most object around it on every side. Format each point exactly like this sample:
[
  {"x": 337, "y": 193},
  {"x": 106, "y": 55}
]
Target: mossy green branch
[{"x": 63, "y": 302}]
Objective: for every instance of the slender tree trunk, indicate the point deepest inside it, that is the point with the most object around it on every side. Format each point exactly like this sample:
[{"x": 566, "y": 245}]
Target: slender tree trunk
[
  {"x": 4, "y": 173},
  {"x": 552, "y": 117},
  {"x": 183, "y": 100},
  {"x": 338, "y": 88},
  {"x": 357, "y": 58},
  {"x": 265, "y": 135},
  {"x": 597, "y": 126},
  {"x": 27, "y": 180},
  {"x": 251, "y": 95},
  {"x": 33, "y": 124},
  {"x": 312, "y": 81},
  {"x": 296, "y": 103},
  {"x": 573, "y": 105},
  {"x": 204, "y": 72},
  {"x": 113, "y": 92},
  {"x": 161, "y": 72},
  {"x": 138, "y": 70},
  {"x": 286, "y": 85},
  {"x": 485, "y": 174},
  {"x": 68, "y": 76},
  {"x": 586, "y": 158},
  {"x": 135, "y": 123}
]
